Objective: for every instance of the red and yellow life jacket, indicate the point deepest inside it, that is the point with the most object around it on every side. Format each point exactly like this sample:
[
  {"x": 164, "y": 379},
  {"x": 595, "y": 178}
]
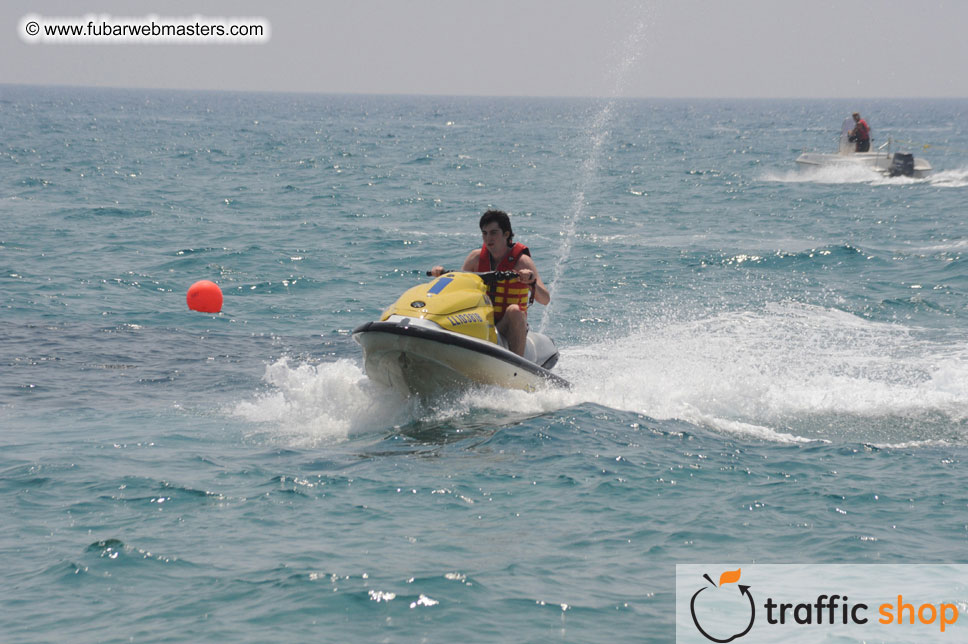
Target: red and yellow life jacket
[{"x": 504, "y": 294}]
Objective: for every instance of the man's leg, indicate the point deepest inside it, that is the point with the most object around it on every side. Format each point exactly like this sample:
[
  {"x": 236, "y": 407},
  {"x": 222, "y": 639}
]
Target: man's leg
[{"x": 514, "y": 327}]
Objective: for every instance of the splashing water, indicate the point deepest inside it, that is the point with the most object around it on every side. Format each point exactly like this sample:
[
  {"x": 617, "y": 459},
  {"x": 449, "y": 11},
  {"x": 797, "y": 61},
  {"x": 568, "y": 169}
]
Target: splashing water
[
  {"x": 314, "y": 404},
  {"x": 957, "y": 178},
  {"x": 309, "y": 405},
  {"x": 848, "y": 173},
  {"x": 777, "y": 373},
  {"x": 788, "y": 373}
]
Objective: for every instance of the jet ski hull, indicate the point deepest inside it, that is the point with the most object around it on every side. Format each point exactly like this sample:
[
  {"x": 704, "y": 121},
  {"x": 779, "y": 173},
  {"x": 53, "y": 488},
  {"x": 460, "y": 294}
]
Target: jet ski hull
[{"x": 412, "y": 356}]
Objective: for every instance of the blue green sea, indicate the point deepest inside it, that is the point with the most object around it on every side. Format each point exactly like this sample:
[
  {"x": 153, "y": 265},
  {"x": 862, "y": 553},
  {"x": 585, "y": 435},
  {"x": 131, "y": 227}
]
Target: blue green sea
[{"x": 769, "y": 365}]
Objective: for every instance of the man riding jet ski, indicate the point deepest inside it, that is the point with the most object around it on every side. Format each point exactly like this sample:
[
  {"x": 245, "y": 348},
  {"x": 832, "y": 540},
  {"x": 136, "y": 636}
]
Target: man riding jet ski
[
  {"x": 466, "y": 327},
  {"x": 511, "y": 297}
]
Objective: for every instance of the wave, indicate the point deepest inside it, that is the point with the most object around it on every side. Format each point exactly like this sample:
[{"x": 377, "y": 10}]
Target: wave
[
  {"x": 957, "y": 178},
  {"x": 97, "y": 212},
  {"x": 311, "y": 404},
  {"x": 788, "y": 372},
  {"x": 946, "y": 247},
  {"x": 307, "y": 405},
  {"x": 834, "y": 174},
  {"x": 834, "y": 254},
  {"x": 847, "y": 173}
]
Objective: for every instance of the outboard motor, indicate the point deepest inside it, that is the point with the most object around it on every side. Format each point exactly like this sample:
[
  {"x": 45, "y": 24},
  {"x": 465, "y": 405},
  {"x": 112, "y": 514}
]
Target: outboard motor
[{"x": 902, "y": 165}]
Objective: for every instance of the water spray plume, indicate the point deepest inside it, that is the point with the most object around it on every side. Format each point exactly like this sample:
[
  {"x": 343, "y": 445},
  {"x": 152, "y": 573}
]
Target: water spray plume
[{"x": 597, "y": 133}]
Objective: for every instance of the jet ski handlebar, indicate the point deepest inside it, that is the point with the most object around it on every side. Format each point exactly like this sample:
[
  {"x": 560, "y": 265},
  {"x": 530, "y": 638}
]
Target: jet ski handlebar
[{"x": 490, "y": 277}]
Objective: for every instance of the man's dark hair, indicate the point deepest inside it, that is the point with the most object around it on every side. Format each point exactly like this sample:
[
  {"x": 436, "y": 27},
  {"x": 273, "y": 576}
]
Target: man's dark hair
[{"x": 501, "y": 219}]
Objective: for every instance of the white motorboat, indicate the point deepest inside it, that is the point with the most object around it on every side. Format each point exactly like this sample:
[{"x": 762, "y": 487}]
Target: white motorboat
[{"x": 884, "y": 159}]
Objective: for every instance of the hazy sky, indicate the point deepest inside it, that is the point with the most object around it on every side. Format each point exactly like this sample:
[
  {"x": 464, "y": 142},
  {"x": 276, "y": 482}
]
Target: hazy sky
[{"x": 649, "y": 48}]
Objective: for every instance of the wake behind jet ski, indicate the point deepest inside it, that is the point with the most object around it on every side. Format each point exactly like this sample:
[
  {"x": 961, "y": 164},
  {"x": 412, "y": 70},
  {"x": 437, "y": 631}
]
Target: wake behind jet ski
[{"x": 441, "y": 335}]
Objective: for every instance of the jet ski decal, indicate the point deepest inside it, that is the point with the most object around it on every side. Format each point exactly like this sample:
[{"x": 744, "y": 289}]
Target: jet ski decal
[
  {"x": 464, "y": 318},
  {"x": 440, "y": 285}
]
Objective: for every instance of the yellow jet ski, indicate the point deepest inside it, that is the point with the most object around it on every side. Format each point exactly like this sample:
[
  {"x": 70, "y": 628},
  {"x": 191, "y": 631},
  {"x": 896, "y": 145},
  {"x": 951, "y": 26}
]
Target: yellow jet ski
[{"x": 440, "y": 335}]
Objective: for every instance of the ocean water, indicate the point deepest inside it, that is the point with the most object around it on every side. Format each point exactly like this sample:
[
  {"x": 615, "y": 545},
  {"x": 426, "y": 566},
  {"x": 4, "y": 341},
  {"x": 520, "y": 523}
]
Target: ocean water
[{"x": 769, "y": 365}]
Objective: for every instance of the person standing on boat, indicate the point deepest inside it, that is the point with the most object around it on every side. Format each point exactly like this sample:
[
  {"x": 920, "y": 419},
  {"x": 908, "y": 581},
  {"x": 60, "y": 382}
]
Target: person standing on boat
[
  {"x": 861, "y": 134},
  {"x": 510, "y": 297}
]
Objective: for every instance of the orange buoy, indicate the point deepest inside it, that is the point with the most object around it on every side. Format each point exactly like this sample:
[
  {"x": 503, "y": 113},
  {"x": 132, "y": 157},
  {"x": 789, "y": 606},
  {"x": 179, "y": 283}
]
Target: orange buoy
[{"x": 205, "y": 296}]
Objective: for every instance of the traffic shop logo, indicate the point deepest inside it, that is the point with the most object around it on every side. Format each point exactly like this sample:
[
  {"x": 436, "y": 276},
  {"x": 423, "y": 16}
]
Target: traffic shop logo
[{"x": 741, "y": 611}]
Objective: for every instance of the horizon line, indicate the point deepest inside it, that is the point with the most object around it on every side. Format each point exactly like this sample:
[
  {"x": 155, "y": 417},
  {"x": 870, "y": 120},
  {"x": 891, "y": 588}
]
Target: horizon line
[{"x": 445, "y": 95}]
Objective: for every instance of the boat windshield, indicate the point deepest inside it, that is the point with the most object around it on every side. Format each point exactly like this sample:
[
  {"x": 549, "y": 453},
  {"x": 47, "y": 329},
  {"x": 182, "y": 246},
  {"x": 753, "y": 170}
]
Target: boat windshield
[{"x": 846, "y": 147}]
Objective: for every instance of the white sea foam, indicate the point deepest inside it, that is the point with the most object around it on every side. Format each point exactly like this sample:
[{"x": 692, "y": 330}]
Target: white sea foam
[
  {"x": 950, "y": 246},
  {"x": 833, "y": 174},
  {"x": 851, "y": 173},
  {"x": 763, "y": 372},
  {"x": 309, "y": 404},
  {"x": 957, "y": 178}
]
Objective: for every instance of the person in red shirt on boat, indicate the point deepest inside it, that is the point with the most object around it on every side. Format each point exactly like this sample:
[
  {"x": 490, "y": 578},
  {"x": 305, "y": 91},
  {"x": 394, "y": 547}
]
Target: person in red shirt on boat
[
  {"x": 860, "y": 135},
  {"x": 511, "y": 297}
]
